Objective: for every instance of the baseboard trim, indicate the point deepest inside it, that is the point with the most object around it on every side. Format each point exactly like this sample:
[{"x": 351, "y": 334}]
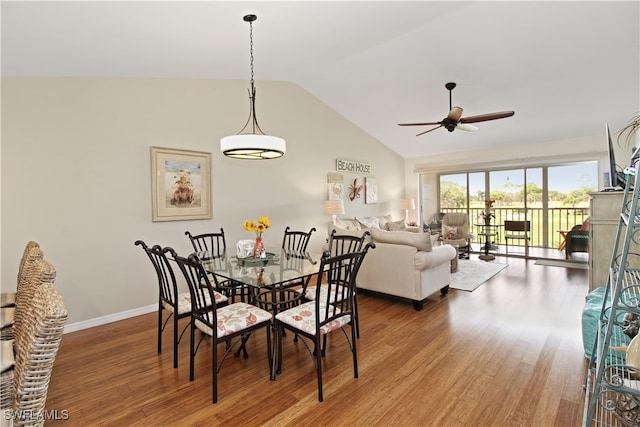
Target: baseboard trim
[{"x": 78, "y": 326}]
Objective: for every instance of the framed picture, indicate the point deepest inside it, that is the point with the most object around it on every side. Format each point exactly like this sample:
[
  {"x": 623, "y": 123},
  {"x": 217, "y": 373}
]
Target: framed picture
[
  {"x": 180, "y": 184},
  {"x": 335, "y": 186},
  {"x": 370, "y": 190}
]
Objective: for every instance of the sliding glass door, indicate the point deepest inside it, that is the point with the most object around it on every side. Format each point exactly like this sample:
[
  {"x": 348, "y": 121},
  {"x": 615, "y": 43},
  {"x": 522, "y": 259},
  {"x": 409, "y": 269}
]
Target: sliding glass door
[{"x": 552, "y": 198}]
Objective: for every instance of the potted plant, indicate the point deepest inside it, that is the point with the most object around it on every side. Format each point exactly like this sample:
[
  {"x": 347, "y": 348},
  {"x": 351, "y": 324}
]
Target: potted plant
[{"x": 628, "y": 134}]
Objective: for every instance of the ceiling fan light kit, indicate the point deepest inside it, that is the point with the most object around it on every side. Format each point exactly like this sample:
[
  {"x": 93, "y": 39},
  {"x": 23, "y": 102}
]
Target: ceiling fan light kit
[
  {"x": 253, "y": 143},
  {"x": 454, "y": 119}
]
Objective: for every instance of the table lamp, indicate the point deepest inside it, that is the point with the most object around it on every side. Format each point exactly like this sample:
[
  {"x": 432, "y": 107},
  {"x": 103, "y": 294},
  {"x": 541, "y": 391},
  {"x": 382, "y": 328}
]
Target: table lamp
[
  {"x": 406, "y": 204},
  {"x": 333, "y": 207}
]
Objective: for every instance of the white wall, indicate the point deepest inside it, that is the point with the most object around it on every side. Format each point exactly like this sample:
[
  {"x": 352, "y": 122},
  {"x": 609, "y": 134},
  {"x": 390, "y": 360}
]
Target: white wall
[{"x": 76, "y": 175}]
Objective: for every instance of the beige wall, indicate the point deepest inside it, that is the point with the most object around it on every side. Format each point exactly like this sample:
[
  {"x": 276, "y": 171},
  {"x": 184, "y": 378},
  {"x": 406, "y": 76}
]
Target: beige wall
[{"x": 76, "y": 176}]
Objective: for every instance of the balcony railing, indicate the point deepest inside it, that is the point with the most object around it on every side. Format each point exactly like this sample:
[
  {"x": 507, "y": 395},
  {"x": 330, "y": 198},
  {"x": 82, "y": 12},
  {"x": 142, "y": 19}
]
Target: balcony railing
[{"x": 545, "y": 224}]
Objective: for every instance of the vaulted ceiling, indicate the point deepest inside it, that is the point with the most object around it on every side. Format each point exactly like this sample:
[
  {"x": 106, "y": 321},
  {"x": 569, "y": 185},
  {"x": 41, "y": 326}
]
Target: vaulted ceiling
[{"x": 566, "y": 68}]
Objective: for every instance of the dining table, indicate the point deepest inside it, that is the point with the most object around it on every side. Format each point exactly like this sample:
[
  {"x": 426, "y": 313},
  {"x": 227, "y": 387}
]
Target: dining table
[{"x": 271, "y": 279}]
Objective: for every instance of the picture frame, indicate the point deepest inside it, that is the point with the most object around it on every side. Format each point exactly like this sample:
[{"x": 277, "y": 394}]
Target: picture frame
[
  {"x": 180, "y": 184},
  {"x": 370, "y": 190}
]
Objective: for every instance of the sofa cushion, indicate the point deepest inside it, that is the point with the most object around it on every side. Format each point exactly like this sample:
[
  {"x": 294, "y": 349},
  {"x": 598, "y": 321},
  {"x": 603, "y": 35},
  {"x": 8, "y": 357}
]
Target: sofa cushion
[
  {"x": 383, "y": 220},
  {"x": 356, "y": 233},
  {"x": 420, "y": 241},
  {"x": 369, "y": 222},
  {"x": 348, "y": 224},
  {"x": 397, "y": 226}
]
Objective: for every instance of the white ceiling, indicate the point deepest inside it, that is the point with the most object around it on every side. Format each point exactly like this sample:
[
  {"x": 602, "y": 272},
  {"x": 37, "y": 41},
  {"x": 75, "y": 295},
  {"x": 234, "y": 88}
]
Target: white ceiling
[{"x": 566, "y": 68}]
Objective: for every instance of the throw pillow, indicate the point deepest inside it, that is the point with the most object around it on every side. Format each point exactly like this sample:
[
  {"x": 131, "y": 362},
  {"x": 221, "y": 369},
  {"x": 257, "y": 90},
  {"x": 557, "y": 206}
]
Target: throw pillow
[
  {"x": 383, "y": 221},
  {"x": 356, "y": 233},
  {"x": 420, "y": 241},
  {"x": 397, "y": 225},
  {"x": 450, "y": 233},
  {"x": 348, "y": 224},
  {"x": 369, "y": 222}
]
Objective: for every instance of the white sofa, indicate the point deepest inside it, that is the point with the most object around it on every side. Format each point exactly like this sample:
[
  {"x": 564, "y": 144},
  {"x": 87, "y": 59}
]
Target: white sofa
[{"x": 403, "y": 264}]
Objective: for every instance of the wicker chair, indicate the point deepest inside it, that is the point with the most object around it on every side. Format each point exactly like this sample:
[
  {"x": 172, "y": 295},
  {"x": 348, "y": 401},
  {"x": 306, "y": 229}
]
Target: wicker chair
[
  {"x": 577, "y": 241},
  {"x": 35, "y": 273},
  {"x": 32, "y": 253},
  {"x": 8, "y": 299},
  {"x": 36, "y": 347}
]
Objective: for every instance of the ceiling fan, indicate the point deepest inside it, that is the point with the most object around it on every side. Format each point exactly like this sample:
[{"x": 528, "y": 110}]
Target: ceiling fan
[{"x": 455, "y": 120}]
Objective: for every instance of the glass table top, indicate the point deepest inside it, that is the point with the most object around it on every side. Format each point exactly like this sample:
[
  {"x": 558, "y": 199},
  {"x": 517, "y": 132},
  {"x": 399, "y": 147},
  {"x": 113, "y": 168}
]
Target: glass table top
[{"x": 280, "y": 267}]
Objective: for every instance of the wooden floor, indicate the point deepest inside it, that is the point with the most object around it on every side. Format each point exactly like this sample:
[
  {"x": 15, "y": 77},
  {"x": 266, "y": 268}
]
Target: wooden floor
[{"x": 507, "y": 354}]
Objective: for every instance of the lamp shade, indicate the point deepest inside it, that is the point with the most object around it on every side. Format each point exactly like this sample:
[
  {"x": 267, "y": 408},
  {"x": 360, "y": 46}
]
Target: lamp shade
[
  {"x": 333, "y": 207},
  {"x": 253, "y": 146},
  {"x": 407, "y": 204}
]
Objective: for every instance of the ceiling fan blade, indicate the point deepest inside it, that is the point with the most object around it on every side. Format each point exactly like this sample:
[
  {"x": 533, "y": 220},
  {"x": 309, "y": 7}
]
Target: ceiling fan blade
[
  {"x": 420, "y": 124},
  {"x": 430, "y": 130},
  {"x": 455, "y": 114},
  {"x": 466, "y": 127},
  {"x": 487, "y": 117}
]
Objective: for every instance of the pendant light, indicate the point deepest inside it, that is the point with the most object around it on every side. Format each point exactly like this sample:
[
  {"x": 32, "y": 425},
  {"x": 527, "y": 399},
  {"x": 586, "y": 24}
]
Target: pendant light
[{"x": 251, "y": 142}]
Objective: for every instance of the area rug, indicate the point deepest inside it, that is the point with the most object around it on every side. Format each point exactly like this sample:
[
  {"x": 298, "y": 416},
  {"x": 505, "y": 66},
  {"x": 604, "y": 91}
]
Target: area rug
[
  {"x": 471, "y": 274},
  {"x": 561, "y": 263}
]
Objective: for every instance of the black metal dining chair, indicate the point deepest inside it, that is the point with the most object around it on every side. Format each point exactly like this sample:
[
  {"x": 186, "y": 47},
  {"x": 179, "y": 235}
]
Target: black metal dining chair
[
  {"x": 328, "y": 312},
  {"x": 296, "y": 241},
  {"x": 215, "y": 245},
  {"x": 176, "y": 303},
  {"x": 222, "y": 324},
  {"x": 340, "y": 244}
]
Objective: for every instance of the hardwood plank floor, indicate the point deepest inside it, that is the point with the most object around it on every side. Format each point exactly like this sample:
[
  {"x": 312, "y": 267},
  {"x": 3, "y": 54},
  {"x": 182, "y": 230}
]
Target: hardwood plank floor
[{"x": 507, "y": 354}]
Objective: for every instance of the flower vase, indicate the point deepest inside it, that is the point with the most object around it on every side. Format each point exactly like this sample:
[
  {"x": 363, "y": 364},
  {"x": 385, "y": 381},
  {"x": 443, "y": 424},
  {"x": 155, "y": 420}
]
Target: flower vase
[{"x": 258, "y": 249}]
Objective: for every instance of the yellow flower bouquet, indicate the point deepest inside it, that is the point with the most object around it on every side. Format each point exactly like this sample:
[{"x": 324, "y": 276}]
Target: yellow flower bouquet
[{"x": 259, "y": 228}]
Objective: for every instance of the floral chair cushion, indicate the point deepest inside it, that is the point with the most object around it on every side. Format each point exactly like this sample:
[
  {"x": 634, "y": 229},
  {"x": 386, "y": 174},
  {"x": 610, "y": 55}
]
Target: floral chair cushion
[
  {"x": 303, "y": 317},
  {"x": 235, "y": 317},
  {"x": 310, "y": 293},
  {"x": 184, "y": 301}
]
